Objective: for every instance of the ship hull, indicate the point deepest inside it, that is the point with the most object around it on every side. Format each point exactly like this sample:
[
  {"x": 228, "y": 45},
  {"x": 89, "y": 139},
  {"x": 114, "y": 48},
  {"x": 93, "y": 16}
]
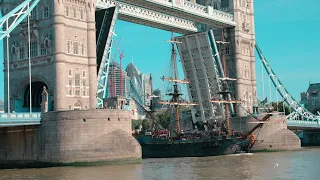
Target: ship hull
[{"x": 163, "y": 148}]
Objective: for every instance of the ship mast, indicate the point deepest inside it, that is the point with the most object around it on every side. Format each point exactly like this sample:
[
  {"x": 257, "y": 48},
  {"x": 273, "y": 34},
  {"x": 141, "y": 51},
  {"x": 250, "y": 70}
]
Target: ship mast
[
  {"x": 225, "y": 88},
  {"x": 175, "y": 94},
  {"x": 225, "y": 85}
]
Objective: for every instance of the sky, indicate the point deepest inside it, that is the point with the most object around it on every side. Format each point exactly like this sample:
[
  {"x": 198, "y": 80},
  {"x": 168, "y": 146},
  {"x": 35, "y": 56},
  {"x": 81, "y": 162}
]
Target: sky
[{"x": 286, "y": 31}]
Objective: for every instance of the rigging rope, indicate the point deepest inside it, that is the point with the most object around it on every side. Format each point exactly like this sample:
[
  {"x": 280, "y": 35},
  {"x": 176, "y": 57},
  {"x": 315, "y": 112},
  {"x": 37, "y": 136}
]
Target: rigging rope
[
  {"x": 262, "y": 72},
  {"x": 270, "y": 88}
]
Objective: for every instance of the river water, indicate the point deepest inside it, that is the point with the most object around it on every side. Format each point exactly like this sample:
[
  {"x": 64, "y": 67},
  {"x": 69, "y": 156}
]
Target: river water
[{"x": 304, "y": 164}]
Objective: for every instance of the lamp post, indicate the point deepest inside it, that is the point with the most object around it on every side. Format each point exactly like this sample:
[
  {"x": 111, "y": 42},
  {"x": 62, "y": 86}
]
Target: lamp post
[
  {"x": 29, "y": 58},
  {"x": 8, "y": 73}
]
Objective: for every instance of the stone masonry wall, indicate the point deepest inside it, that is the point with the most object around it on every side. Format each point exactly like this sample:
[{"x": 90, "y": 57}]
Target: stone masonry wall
[
  {"x": 72, "y": 137},
  {"x": 273, "y": 135}
]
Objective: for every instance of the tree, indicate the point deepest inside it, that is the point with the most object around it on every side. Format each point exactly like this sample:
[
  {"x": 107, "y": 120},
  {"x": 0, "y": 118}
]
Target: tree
[
  {"x": 136, "y": 124},
  {"x": 146, "y": 125},
  {"x": 163, "y": 118},
  {"x": 281, "y": 107}
]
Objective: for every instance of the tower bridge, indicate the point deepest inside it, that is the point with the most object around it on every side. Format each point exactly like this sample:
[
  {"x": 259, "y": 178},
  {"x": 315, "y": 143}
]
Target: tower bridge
[{"x": 64, "y": 53}]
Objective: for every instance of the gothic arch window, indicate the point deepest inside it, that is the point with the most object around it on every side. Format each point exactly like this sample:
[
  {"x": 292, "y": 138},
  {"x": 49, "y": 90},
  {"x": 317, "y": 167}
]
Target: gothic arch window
[
  {"x": 13, "y": 52},
  {"x": 45, "y": 46},
  {"x": 77, "y": 106}
]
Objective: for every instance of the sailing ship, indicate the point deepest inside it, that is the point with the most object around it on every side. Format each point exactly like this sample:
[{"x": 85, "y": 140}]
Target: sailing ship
[{"x": 163, "y": 144}]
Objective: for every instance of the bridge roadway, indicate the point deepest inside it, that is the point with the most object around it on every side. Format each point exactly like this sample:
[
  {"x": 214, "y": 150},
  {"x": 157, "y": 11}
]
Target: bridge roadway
[
  {"x": 302, "y": 125},
  {"x": 22, "y": 119},
  {"x": 19, "y": 119},
  {"x": 163, "y": 14}
]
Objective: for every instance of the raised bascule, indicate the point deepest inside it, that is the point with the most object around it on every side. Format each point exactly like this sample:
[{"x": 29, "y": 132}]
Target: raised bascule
[{"x": 58, "y": 61}]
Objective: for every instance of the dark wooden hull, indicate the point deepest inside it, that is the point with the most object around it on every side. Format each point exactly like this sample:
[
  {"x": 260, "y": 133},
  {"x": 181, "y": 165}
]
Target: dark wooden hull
[{"x": 164, "y": 148}]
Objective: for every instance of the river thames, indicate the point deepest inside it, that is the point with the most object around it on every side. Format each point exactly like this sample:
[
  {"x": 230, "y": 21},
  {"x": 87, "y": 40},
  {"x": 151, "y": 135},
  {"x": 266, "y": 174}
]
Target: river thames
[{"x": 300, "y": 165}]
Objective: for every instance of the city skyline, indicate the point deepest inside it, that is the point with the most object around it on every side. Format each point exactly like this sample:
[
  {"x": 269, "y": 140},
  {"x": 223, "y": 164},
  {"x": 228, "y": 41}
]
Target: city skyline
[{"x": 147, "y": 48}]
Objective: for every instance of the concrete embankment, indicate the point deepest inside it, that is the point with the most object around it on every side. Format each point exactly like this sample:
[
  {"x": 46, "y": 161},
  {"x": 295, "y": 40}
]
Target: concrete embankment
[{"x": 88, "y": 137}]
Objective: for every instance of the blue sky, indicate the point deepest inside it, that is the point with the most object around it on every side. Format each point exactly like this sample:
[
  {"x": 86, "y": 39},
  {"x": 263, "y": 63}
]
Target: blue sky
[{"x": 286, "y": 31}]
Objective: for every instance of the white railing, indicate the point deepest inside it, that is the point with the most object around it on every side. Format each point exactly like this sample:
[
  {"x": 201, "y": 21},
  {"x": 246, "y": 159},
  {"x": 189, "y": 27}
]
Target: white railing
[
  {"x": 19, "y": 119},
  {"x": 20, "y": 116},
  {"x": 302, "y": 123},
  {"x": 146, "y": 14}
]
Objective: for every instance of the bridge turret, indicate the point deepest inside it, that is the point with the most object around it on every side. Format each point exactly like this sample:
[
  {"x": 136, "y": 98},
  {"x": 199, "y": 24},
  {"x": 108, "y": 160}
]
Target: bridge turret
[{"x": 92, "y": 56}]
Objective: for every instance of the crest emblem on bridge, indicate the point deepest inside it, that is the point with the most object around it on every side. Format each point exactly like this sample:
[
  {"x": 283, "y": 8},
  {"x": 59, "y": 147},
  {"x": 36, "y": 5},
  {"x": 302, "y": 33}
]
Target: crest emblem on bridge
[{"x": 178, "y": 3}]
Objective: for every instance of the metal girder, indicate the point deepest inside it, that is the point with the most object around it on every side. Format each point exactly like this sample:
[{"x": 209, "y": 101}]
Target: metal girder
[
  {"x": 18, "y": 13},
  {"x": 102, "y": 90},
  {"x": 298, "y": 108}
]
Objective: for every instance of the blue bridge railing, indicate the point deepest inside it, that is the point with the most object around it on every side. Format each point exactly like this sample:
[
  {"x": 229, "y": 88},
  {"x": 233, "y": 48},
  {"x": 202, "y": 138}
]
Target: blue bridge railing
[
  {"x": 303, "y": 123},
  {"x": 19, "y": 119}
]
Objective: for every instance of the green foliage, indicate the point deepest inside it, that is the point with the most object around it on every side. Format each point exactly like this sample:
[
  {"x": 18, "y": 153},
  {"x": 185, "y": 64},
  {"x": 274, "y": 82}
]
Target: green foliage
[
  {"x": 163, "y": 118},
  {"x": 282, "y": 107},
  {"x": 146, "y": 125},
  {"x": 136, "y": 124}
]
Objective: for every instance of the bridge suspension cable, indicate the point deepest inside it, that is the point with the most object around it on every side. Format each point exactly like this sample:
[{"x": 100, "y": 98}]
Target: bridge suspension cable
[
  {"x": 18, "y": 14},
  {"x": 299, "y": 110}
]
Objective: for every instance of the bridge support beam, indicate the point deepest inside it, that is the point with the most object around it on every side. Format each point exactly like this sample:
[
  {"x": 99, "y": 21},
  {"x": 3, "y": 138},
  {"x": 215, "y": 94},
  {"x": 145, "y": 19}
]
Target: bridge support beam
[
  {"x": 310, "y": 137},
  {"x": 98, "y": 136}
]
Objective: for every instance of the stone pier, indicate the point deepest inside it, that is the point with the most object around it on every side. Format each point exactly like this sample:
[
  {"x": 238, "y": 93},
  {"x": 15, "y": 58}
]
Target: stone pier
[
  {"x": 89, "y": 137},
  {"x": 272, "y": 136}
]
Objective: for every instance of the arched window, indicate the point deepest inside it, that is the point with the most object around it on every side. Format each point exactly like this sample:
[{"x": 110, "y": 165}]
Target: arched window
[
  {"x": 45, "y": 47},
  {"x": 13, "y": 52},
  {"x": 77, "y": 106}
]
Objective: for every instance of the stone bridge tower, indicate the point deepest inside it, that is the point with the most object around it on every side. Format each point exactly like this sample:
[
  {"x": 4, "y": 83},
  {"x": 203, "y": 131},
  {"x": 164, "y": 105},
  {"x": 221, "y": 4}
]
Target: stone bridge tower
[
  {"x": 63, "y": 56},
  {"x": 239, "y": 53}
]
